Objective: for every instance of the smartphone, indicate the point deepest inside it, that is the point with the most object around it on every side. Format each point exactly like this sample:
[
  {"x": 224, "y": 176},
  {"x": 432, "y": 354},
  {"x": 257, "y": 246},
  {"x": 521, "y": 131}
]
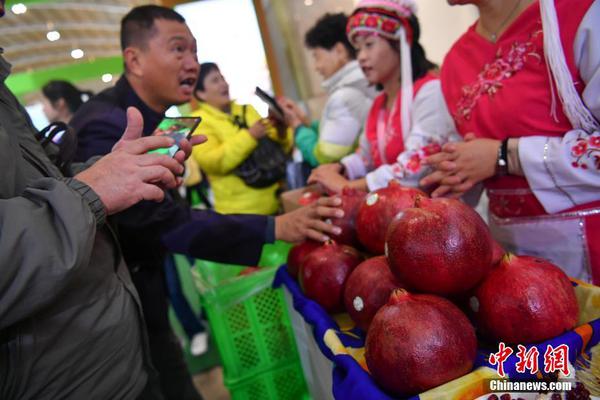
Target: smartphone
[
  {"x": 264, "y": 96},
  {"x": 178, "y": 128}
]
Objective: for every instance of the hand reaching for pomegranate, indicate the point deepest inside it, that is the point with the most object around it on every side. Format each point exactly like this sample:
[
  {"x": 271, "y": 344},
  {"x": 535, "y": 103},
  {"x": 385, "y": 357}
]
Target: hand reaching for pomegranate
[
  {"x": 461, "y": 165},
  {"x": 309, "y": 222},
  {"x": 329, "y": 176}
]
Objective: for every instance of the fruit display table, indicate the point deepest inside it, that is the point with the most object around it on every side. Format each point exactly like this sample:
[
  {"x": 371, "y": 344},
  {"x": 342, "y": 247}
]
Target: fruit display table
[{"x": 332, "y": 350}]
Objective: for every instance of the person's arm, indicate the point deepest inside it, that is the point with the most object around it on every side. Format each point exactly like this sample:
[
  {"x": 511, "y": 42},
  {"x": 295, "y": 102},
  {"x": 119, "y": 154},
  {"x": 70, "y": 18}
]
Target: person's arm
[
  {"x": 47, "y": 236},
  {"x": 341, "y": 124},
  {"x": 431, "y": 128},
  {"x": 48, "y": 229},
  {"x": 218, "y": 157},
  {"x": 565, "y": 172},
  {"x": 212, "y": 236},
  {"x": 358, "y": 164}
]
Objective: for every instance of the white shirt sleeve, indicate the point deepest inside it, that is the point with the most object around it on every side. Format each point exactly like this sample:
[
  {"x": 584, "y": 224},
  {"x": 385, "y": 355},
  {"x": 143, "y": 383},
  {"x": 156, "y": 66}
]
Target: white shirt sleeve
[
  {"x": 432, "y": 127},
  {"x": 360, "y": 162},
  {"x": 565, "y": 172}
]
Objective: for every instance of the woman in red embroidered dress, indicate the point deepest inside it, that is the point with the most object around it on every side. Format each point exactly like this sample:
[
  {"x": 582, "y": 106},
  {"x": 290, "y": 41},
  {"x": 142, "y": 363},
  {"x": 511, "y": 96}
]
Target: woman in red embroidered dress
[
  {"x": 523, "y": 87},
  {"x": 403, "y": 125}
]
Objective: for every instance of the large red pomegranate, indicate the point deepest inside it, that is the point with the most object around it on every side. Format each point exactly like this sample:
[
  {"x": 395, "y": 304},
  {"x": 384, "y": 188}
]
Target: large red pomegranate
[
  {"x": 377, "y": 211},
  {"x": 417, "y": 342},
  {"x": 297, "y": 255},
  {"x": 368, "y": 289},
  {"x": 324, "y": 272},
  {"x": 351, "y": 201},
  {"x": 441, "y": 246},
  {"x": 525, "y": 300}
]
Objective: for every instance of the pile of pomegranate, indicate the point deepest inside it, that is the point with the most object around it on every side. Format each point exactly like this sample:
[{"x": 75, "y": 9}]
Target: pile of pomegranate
[{"x": 431, "y": 256}]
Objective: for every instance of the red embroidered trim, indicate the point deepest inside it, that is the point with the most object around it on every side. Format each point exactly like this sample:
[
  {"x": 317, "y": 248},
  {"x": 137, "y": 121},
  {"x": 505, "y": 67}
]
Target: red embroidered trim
[
  {"x": 490, "y": 80},
  {"x": 586, "y": 150}
]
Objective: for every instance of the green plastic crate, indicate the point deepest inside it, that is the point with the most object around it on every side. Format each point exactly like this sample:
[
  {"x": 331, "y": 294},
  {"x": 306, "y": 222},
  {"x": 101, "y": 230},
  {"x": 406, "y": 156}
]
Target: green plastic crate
[
  {"x": 284, "y": 383},
  {"x": 248, "y": 318}
]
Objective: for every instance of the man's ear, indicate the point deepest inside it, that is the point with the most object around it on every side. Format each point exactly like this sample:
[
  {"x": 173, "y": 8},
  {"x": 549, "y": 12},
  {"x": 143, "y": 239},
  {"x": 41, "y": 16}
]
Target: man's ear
[
  {"x": 132, "y": 56},
  {"x": 60, "y": 105}
]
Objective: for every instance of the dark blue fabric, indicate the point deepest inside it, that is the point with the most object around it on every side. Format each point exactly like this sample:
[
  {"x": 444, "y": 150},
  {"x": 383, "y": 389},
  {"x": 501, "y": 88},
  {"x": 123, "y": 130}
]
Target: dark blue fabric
[
  {"x": 148, "y": 230},
  {"x": 351, "y": 381}
]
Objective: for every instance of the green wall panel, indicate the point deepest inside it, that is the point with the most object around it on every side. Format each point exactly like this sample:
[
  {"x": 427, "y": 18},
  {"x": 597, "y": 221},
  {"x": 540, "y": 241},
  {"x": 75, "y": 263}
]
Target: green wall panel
[{"x": 26, "y": 82}]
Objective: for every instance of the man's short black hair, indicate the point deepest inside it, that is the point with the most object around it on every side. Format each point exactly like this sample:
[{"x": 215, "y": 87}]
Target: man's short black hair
[
  {"x": 329, "y": 30},
  {"x": 137, "y": 27}
]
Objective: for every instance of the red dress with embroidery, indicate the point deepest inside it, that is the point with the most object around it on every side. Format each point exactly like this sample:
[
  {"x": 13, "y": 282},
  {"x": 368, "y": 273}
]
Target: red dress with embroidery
[
  {"x": 502, "y": 90},
  {"x": 392, "y": 121}
]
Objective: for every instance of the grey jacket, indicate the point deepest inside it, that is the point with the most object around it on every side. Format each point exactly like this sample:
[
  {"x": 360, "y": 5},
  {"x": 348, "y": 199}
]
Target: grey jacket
[{"x": 70, "y": 321}]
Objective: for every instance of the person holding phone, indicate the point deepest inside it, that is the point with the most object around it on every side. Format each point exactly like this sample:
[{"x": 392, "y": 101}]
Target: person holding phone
[
  {"x": 234, "y": 132},
  {"x": 161, "y": 69},
  {"x": 349, "y": 95}
]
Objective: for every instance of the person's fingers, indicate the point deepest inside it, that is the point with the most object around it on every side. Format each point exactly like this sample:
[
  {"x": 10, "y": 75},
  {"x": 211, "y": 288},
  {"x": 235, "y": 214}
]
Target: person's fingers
[
  {"x": 185, "y": 146},
  {"x": 447, "y": 166},
  {"x": 452, "y": 180},
  {"x": 322, "y": 226},
  {"x": 437, "y": 158},
  {"x": 331, "y": 201},
  {"x": 313, "y": 178},
  {"x": 151, "y": 192},
  {"x": 441, "y": 191},
  {"x": 146, "y": 160},
  {"x": 315, "y": 235},
  {"x": 197, "y": 139},
  {"x": 450, "y": 147},
  {"x": 463, "y": 187},
  {"x": 433, "y": 178},
  {"x": 145, "y": 144},
  {"x": 329, "y": 212},
  {"x": 157, "y": 174},
  {"x": 135, "y": 124},
  {"x": 470, "y": 136}
]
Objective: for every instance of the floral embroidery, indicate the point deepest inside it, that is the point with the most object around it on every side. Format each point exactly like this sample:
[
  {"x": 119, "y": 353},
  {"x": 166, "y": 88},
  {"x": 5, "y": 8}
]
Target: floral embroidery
[
  {"x": 409, "y": 162},
  {"x": 490, "y": 80},
  {"x": 586, "y": 150}
]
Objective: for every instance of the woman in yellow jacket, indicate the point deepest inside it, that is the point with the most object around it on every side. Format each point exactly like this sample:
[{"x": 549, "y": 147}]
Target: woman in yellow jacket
[{"x": 230, "y": 143}]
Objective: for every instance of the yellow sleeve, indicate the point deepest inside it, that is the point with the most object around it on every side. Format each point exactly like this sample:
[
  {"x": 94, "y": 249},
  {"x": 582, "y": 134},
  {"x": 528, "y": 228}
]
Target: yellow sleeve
[
  {"x": 287, "y": 142},
  {"x": 220, "y": 157}
]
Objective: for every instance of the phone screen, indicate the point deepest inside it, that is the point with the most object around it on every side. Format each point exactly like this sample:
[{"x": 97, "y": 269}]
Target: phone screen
[{"x": 178, "y": 128}]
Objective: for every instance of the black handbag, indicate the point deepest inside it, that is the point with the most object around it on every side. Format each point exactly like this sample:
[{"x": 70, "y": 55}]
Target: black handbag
[
  {"x": 59, "y": 143},
  {"x": 266, "y": 165}
]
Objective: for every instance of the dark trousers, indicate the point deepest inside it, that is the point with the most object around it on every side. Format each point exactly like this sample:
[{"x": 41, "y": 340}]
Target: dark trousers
[{"x": 173, "y": 381}]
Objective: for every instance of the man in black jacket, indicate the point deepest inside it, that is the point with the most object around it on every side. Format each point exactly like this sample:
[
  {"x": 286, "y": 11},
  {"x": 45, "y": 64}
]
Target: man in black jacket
[{"x": 161, "y": 69}]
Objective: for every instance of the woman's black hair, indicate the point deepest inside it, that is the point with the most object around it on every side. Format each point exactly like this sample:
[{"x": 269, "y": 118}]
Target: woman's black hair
[
  {"x": 328, "y": 31},
  {"x": 420, "y": 64},
  {"x": 73, "y": 97},
  {"x": 205, "y": 69}
]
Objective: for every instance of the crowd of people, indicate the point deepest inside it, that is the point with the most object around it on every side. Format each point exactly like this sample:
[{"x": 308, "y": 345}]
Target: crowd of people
[{"x": 513, "y": 110}]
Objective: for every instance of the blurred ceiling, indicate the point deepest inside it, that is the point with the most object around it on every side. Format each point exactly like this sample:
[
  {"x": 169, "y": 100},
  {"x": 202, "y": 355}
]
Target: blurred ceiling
[{"x": 89, "y": 25}]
